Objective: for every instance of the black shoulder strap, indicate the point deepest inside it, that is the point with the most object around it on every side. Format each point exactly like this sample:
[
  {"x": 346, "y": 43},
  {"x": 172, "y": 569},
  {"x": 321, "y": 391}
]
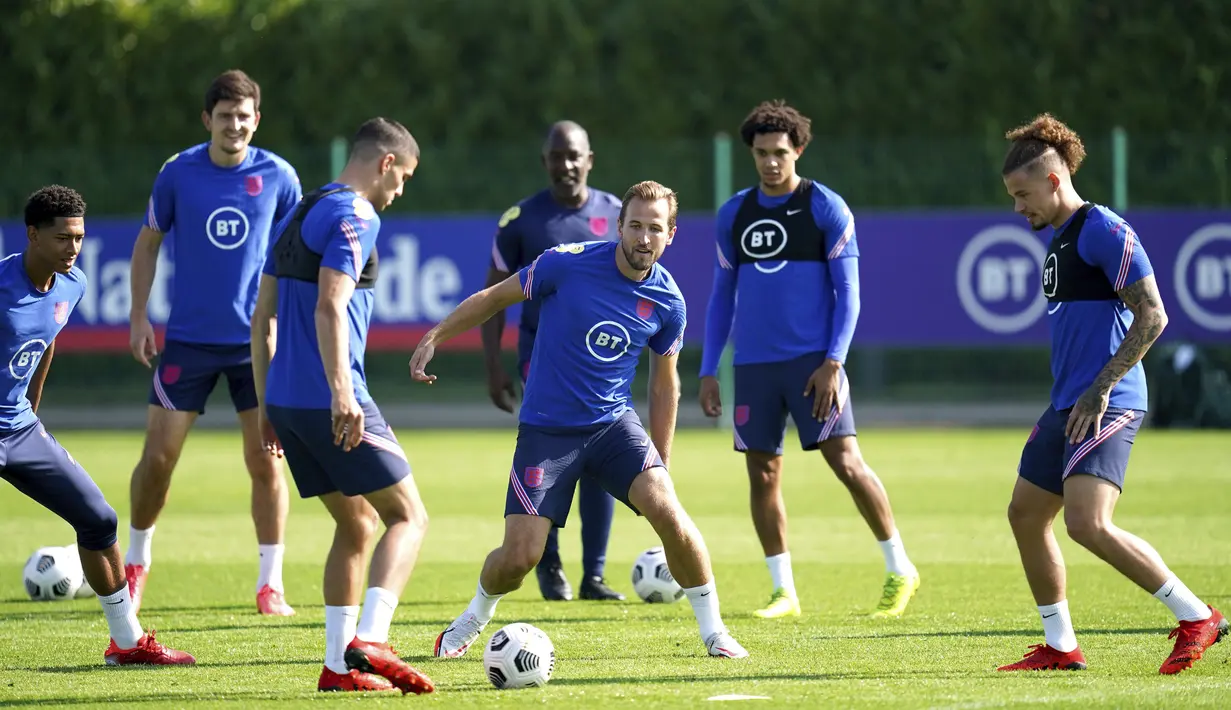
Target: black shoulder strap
[{"x": 1079, "y": 220}]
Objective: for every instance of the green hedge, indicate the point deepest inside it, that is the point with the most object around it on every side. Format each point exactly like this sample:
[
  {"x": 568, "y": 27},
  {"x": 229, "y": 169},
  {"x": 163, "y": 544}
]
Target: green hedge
[{"x": 900, "y": 92}]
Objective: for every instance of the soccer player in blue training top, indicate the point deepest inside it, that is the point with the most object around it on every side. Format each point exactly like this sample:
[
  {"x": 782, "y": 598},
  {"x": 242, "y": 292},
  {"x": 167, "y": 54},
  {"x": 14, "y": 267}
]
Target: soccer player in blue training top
[
  {"x": 787, "y": 248},
  {"x": 603, "y": 302},
  {"x": 40, "y": 288},
  {"x": 309, "y": 334},
  {"x": 218, "y": 202},
  {"x": 568, "y": 212},
  {"x": 1104, "y": 312}
]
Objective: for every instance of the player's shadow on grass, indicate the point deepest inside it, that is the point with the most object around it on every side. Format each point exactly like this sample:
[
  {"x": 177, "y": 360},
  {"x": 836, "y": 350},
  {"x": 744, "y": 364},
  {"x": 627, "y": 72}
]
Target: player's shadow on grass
[
  {"x": 836, "y": 675},
  {"x": 259, "y": 625},
  {"x": 201, "y": 663},
  {"x": 92, "y": 611},
  {"x": 163, "y": 699},
  {"x": 1032, "y": 632}
]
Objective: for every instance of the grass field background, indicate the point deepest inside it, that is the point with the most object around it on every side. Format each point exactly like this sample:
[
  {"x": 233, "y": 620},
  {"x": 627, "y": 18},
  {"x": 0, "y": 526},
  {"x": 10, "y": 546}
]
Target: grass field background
[{"x": 949, "y": 490}]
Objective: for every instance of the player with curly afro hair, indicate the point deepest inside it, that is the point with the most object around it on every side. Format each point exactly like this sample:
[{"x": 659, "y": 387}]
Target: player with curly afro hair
[
  {"x": 786, "y": 291},
  {"x": 50, "y": 202},
  {"x": 777, "y": 117}
]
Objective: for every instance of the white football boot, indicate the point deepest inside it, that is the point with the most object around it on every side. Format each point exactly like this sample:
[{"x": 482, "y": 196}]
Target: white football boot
[
  {"x": 454, "y": 641},
  {"x": 722, "y": 645}
]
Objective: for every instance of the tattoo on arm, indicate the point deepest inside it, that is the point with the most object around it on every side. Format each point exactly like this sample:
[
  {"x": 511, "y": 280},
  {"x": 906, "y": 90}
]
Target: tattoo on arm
[{"x": 1149, "y": 319}]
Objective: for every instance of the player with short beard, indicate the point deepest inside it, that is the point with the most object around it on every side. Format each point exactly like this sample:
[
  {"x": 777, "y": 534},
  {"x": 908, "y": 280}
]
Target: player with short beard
[
  {"x": 602, "y": 304},
  {"x": 217, "y": 202}
]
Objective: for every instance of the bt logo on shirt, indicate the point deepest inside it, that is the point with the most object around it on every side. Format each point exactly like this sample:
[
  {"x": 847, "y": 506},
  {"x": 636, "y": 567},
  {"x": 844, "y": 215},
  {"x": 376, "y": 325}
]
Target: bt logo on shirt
[
  {"x": 227, "y": 228},
  {"x": 607, "y": 341},
  {"x": 764, "y": 239},
  {"x": 26, "y": 358}
]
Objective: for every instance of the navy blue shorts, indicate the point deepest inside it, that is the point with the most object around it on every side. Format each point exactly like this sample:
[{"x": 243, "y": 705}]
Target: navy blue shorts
[
  {"x": 1048, "y": 457},
  {"x": 37, "y": 465},
  {"x": 187, "y": 373},
  {"x": 766, "y": 392},
  {"x": 549, "y": 461},
  {"x": 319, "y": 466}
]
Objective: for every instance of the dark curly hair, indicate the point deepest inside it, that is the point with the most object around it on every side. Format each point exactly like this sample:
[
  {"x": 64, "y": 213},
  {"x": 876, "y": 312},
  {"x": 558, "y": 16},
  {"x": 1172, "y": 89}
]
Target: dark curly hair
[
  {"x": 777, "y": 117},
  {"x": 50, "y": 202},
  {"x": 1045, "y": 139}
]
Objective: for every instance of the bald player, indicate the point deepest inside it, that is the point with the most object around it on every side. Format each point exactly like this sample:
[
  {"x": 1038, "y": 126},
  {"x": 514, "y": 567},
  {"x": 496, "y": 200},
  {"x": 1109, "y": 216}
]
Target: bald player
[{"x": 568, "y": 211}]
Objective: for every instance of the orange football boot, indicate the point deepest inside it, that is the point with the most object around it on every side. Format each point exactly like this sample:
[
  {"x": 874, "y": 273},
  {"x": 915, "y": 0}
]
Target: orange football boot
[
  {"x": 352, "y": 682},
  {"x": 135, "y": 574},
  {"x": 380, "y": 659},
  {"x": 1042, "y": 657},
  {"x": 1192, "y": 640},
  {"x": 271, "y": 602},
  {"x": 147, "y": 652}
]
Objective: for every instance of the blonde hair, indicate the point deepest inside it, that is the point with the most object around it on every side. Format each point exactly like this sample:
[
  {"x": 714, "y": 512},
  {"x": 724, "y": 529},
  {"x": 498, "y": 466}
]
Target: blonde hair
[{"x": 650, "y": 191}]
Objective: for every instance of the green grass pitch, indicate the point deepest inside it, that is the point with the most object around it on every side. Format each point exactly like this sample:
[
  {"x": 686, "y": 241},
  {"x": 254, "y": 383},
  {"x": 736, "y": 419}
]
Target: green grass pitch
[{"x": 949, "y": 490}]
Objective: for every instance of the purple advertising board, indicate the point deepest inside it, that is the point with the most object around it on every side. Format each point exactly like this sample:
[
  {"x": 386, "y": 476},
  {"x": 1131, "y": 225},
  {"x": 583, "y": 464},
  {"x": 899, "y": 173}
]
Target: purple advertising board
[{"x": 927, "y": 278}]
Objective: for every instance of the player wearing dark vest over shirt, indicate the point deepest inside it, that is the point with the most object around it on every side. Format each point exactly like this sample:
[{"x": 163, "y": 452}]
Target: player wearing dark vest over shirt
[
  {"x": 314, "y": 405},
  {"x": 39, "y": 289},
  {"x": 1104, "y": 311},
  {"x": 569, "y": 211},
  {"x": 214, "y": 204},
  {"x": 787, "y": 247}
]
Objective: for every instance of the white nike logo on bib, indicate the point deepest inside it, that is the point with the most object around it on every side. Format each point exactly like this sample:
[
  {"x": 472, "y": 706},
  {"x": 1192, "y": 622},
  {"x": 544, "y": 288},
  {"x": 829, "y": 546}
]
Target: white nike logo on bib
[{"x": 791, "y": 212}]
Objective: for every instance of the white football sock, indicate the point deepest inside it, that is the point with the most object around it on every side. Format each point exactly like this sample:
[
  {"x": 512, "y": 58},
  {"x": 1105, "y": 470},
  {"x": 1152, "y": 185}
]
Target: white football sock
[
  {"x": 1181, "y": 601},
  {"x": 340, "y": 623},
  {"x": 271, "y": 566},
  {"x": 1058, "y": 626},
  {"x": 896, "y": 561},
  {"x": 704, "y": 600},
  {"x": 378, "y": 607},
  {"x": 121, "y": 620},
  {"x": 780, "y": 572},
  {"x": 139, "y": 547},
  {"x": 483, "y": 606}
]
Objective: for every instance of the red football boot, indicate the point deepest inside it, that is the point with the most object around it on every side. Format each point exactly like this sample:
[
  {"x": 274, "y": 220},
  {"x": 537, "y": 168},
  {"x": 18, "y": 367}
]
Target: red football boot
[
  {"x": 1192, "y": 639},
  {"x": 382, "y": 660},
  {"x": 1045, "y": 658},
  {"x": 352, "y": 682},
  {"x": 270, "y": 602},
  {"x": 147, "y": 652},
  {"x": 135, "y": 574}
]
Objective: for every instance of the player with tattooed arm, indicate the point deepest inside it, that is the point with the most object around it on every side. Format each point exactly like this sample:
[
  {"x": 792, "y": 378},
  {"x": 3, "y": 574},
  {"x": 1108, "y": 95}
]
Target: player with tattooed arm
[{"x": 1104, "y": 312}]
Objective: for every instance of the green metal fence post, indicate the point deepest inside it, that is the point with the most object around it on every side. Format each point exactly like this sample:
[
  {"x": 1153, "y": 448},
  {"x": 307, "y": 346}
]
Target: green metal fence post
[
  {"x": 1119, "y": 169},
  {"x": 722, "y": 191},
  {"x": 337, "y": 156}
]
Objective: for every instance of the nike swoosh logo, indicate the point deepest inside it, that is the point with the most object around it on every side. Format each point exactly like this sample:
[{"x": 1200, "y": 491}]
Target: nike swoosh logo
[
  {"x": 705, "y": 594},
  {"x": 1169, "y": 593},
  {"x": 114, "y": 603},
  {"x": 1052, "y": 311},
  {"x": 1048, "y": 616},
  {"x": 1065, "y": 244},
  {"x": 791, "y": 212}
]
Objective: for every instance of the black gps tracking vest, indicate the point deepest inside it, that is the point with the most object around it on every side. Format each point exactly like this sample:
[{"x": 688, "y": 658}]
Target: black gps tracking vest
[
  {"x": 1066, "y": 276},
  {"x": 294, "y": 260},
  {"x": 787, "y": 232}
]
